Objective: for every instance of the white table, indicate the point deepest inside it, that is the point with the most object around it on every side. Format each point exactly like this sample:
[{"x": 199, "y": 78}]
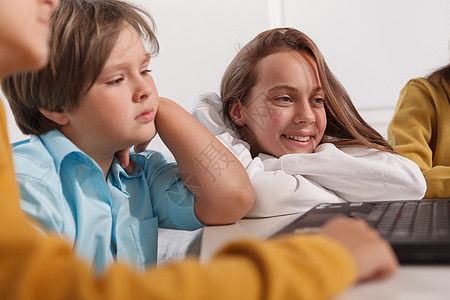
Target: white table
[{"x": 409, "y": 283}]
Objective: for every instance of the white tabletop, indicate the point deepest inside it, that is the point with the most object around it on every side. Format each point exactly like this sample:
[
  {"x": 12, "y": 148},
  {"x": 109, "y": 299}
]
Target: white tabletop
[{"x": 409, "y": 283}]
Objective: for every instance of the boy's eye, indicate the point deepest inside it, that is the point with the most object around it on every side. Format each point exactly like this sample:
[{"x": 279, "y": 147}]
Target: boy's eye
[
  {"x": 146, "y": 71},
  {"x": 115, "y": 81}
]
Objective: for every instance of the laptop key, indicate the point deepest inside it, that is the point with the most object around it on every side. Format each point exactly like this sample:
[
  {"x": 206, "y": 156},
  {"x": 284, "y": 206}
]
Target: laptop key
[
  {"x": 376, "y": 213},
  {"x": 403, "y": 227},
  {"x": 440, "y": 220},
  {"x": 389, "y": 219},
  {"x": 422, "y": 227}
]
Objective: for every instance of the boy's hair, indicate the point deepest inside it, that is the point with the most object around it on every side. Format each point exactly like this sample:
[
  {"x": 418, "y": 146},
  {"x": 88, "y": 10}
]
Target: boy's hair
[
  {"x": 82, "y": 35},
  {"x": 345, "y": 127}
]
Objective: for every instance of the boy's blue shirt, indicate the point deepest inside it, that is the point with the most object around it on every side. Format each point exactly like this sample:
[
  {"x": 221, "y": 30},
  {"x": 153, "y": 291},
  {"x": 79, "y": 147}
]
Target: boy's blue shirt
[{"x": 65, "y": 190}]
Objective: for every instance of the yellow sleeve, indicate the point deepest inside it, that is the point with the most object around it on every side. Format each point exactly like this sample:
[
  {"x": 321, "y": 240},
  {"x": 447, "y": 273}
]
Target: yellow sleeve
[
  {"x": 8, "y": 185},
  {"x": 417, "y": 132},
  {"x": 296, "y": 268},
  {"x": 36, "y": 267}
]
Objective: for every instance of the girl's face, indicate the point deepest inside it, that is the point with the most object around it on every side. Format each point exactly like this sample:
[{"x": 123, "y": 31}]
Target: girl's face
[
  {"x": 284, "y": 112},
  {"x": 119, "y": 110},
  {"x": 24, "y": 26}
]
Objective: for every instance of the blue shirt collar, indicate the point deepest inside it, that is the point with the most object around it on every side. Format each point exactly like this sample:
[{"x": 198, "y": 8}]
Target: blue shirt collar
[
  {"x": 116, "y": 172},
  {"x": 60, "y": 147}
]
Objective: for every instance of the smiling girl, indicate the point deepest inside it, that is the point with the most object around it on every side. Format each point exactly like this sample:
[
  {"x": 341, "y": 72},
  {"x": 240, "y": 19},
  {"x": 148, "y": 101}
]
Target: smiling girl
[{"x": 294, "y": 128}]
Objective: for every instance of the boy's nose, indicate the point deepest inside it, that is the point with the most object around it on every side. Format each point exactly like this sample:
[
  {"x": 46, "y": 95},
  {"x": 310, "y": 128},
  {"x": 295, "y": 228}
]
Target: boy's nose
[
  {"x": 143, "y": 91},
  {"x": 141, "y": 95}
]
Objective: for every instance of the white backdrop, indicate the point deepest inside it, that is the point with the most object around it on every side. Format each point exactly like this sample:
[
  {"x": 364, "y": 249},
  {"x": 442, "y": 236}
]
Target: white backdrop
[{"x": 373, "y": 46}]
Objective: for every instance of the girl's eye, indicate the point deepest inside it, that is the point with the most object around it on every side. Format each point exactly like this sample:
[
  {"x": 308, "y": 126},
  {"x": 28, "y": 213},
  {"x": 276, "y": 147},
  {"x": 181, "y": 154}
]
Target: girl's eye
[
  {"x": 284, "y": 99},
  {"x": 146, "y": 71},
  {"x": 317, "y": 101}
]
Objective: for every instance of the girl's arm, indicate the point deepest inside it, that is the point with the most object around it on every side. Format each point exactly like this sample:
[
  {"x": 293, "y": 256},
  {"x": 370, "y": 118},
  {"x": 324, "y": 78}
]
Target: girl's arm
[
  {"x": 358, "y": 173},
  {"x": 218, "y": 180}
]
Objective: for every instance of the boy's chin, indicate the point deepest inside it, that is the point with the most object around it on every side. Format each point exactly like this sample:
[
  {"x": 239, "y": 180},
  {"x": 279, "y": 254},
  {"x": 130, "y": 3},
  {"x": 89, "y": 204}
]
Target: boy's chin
[{"x": 141, "y": 145}]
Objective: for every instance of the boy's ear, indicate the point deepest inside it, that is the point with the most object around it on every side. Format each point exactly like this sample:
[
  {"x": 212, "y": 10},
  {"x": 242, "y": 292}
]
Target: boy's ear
[
  {"x": 236, "y": 112},
  {"x": 58, "y": 116}
]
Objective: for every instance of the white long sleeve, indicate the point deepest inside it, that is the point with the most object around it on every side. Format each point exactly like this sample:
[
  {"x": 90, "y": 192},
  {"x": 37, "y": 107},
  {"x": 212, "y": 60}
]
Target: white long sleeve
[
  {"x": 358, "y": 173},
  {"x": 294, "y": 183}
]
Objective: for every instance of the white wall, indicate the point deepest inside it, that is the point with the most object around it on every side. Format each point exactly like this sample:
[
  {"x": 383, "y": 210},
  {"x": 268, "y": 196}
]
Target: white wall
[{"x": 373, "y": 46}]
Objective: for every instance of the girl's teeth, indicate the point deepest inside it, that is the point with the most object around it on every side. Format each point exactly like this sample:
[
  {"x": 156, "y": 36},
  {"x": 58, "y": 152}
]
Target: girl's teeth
[{"x": 298, "y": 138}]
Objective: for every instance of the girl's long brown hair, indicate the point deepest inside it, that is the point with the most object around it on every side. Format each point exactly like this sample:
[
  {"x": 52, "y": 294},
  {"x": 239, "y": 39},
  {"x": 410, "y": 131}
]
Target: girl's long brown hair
[{"x": 345, "y": 127}]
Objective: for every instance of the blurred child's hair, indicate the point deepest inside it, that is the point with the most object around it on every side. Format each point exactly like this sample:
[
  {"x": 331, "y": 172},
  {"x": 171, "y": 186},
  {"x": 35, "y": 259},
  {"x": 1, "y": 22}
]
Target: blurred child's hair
[
  {"x": 345, "y": 127},
  {"x": 82, "y": 36},
  {"x": 443, "y": 73}
]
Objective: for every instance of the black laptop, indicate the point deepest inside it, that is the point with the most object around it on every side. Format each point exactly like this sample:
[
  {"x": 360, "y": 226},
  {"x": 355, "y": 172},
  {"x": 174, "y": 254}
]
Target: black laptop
[{"x": 418, "y": 230}]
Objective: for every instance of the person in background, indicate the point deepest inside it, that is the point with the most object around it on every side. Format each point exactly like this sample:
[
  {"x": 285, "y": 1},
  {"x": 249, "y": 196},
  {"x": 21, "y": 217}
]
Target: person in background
[
  {"x": 37, "y": 266},
  {"x": 420, "y": 128},
  {"x": 295, "y": 130}
]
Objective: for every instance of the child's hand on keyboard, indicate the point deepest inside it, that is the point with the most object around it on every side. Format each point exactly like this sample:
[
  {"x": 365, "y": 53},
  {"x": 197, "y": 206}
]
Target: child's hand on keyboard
[{"x": 373, "y": 255}]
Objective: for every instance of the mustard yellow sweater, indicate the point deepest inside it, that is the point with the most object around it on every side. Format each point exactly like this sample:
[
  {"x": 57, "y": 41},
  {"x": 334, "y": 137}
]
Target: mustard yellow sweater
[
  {"x": 420, "y": 131},
  {"x": 37, "y": 267}
]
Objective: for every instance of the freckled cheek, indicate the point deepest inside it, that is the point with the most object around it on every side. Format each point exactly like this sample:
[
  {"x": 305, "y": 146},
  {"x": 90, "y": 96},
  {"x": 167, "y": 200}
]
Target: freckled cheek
[{"x": 280, "y": 119}]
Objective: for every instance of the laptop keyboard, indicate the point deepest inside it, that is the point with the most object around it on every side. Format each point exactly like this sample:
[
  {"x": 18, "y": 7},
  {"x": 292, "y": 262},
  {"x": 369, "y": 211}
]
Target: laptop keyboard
[{"x": 417, "y": 220}]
